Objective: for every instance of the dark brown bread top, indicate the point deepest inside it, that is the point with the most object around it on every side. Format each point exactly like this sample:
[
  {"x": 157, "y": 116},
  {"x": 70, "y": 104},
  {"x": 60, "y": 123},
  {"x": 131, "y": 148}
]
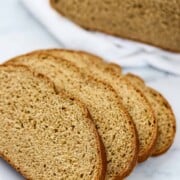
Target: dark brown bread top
[
  {"x": 46, "y": 135},
  {"x": 128, "y": 19},
  {"x": 135, "y": 102},
  {"x": 113, "y": 122},
  {"x": 163, "y": 113}
]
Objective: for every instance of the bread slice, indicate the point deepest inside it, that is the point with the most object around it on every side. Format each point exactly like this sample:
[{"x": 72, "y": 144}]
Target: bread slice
[
  {"x": 135, "y": 102},
  {"x": 46, "y": 135},
  {"x": 163, "y": 113},
  {"x": 128, "y": 19},
  {"x": 112, "y": 121}
]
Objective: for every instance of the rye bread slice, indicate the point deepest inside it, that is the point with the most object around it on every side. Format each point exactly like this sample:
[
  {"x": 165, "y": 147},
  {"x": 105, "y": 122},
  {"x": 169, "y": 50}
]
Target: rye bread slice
[
  {"x": 163, "y": 113},
  {"x": 134, "y": 101},
  {"x": 112, "y": 121},
  {"x": 46, "y": 135}
]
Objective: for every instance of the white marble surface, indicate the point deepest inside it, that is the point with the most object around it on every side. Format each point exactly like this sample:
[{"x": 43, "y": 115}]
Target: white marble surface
[{"x": 20, "y": 33}]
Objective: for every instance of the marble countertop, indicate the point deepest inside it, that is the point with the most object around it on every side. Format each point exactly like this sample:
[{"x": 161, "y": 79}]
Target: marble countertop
[{"x": 20, "y": 33}]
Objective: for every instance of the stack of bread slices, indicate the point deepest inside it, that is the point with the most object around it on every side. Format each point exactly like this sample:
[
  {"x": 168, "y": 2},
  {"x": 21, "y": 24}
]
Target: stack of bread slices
[{"x": 70, "y": 115}]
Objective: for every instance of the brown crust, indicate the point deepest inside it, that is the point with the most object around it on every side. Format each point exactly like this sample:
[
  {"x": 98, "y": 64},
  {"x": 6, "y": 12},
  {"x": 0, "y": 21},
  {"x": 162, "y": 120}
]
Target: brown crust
[
  {"x": 115, "y": 67},
  {"x": 18, "y": 169},
  {"x": 102, "y": 174},
  {"x": 97, "y": 58},
  {"x": 100, "y": 146},
  {"x": 130, "y": 75},
  {"x": 115, "y": 34},
  {"x": 136, "y": 142},
  {"x": 173, "y": 121}
]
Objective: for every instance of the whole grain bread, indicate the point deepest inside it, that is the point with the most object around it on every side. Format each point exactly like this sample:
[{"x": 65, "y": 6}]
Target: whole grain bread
[
  {"x": 112, "y": 121},
  {"x": 46, "y": 135},
  {"x": 150, "y": 21},
  {"x": 163, "y": 113},
  {"x": 135, "y": 102}
]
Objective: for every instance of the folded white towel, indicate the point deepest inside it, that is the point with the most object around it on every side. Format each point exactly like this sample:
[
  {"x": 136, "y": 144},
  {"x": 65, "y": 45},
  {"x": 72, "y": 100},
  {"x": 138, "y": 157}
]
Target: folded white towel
[{"x": 124, "y": 52}]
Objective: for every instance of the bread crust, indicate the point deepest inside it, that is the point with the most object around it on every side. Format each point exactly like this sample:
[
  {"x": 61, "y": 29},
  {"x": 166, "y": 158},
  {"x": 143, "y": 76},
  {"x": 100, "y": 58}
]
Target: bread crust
[
  {"x": 100, "y": 146},
  {"x": 173, "y": 122}
]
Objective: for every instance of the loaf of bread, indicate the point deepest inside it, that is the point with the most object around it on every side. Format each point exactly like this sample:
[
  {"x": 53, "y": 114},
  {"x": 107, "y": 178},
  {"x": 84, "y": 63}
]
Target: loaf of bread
[
  {"x": 163, "y": 113},
  {"x": 155, "y": 22},
  {"x": 46, "y": 135},
  {"x": 112, "y": 121},
  {"x": 134, "y": 101}
]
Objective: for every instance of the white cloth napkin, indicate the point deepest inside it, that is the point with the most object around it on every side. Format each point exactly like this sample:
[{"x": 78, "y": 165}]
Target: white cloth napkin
[{"x": 124, "y": 52}]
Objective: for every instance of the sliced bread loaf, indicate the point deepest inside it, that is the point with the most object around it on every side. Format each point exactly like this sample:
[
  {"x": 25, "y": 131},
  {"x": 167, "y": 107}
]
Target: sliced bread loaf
[
  {"x": 135, "y": 102},
  {"x": 46, "y": 135},
  {"x": 163, "y": 114},
  {"x": 112, "y": 121}
]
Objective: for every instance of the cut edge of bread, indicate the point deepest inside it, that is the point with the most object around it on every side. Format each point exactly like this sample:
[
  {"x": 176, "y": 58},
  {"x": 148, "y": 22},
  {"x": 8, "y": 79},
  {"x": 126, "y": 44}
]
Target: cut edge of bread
[{"x": 157, "y": 152}]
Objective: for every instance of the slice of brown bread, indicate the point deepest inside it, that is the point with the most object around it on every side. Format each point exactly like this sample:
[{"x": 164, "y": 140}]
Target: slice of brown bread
[
  {"x": 128, "y": 19},
  {"x": 135, "y": 102},
  {"x": 112, "y": 121},
  {"x": 163, "y": 114},
  {"x": 46, "y": 135}
]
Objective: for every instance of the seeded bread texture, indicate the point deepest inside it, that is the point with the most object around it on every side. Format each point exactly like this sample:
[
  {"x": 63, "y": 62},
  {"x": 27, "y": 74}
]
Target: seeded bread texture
[
  {"x": 150, "y": 21},
  {"x": 163, "y": 113},
  {"x": 112, "y": 121},
  {"x": 46, "y": 135},
  {"x": 135, "y": 102}
]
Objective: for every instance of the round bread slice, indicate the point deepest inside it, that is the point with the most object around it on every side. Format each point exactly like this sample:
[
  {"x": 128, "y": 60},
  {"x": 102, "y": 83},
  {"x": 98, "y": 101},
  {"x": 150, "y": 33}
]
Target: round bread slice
[
  {"x": 112, "y": 121},
  {"x": 133, "y": 100},
  {"x": 163, "y": 113},
  {"x": 45, "y": 135}
]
